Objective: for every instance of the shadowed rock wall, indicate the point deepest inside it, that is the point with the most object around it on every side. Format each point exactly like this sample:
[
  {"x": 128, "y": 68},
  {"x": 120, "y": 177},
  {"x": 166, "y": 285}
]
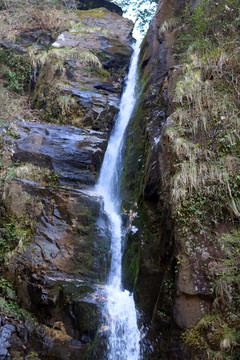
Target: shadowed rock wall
[{"x": 165, "y": 292}]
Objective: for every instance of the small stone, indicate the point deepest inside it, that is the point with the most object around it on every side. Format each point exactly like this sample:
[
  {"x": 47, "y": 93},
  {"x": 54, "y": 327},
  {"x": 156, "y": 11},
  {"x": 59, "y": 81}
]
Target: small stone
[
  {"x": 205, "y": 255},
  {"x": 3, "y": 353},
  {"x": 9, "y": 327}
]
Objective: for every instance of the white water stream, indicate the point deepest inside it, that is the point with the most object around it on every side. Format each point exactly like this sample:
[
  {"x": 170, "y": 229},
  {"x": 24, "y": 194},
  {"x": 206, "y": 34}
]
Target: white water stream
[{"x": 124, "y": 336}]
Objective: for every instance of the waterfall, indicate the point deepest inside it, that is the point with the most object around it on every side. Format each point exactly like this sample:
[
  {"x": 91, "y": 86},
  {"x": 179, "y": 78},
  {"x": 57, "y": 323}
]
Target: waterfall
[{"x": 124, "y": 336}]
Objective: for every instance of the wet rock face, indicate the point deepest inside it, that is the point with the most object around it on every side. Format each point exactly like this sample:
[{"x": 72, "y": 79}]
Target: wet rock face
[
  {"x": 68, "y": 231},
  {"x": 55, "y": 275},
  {"x": 74, "y": 154}
]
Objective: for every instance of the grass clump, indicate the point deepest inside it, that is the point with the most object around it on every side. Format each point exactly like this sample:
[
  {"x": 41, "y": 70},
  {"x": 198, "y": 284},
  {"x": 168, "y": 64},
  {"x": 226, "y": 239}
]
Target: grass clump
[
  {"x": 217, "y": 338},
  {"x": 205, "y": 135},
  {"x": 14, "y": 233},
  {"x": 86, "y": 58}
]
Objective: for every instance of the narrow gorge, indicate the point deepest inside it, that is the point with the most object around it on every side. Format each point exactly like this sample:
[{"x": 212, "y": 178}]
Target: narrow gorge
[{"x": 120, "y": 185}]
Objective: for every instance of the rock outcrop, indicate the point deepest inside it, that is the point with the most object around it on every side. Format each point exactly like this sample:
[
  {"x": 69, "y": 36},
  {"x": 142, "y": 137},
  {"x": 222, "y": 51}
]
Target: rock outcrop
[
  {"x": 74, "y": 154},
  {"x": 81, "y": 77},
  {"x": 172, "y": 247},
  {"x": 59, "y": 253}
]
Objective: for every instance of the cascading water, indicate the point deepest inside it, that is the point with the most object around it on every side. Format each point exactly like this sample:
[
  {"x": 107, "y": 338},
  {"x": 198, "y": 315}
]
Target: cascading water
[
  {"x": 124, "y": 336},
  {"x": 123, "y": 333}
]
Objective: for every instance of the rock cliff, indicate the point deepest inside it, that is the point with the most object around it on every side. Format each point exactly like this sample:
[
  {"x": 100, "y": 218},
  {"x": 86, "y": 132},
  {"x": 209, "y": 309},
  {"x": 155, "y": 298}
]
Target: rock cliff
[
  {"x": 178, "y": 188},
  {"x": 60, "y": 89}
]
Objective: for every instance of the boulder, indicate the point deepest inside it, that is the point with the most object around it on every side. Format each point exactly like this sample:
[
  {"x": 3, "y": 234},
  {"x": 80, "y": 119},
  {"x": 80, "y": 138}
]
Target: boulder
[{"x": 74, "y": 154}]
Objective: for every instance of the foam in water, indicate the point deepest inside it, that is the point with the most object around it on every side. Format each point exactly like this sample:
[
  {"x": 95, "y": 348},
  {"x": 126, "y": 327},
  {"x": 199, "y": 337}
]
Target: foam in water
[
  {"x": 139, "y": 11},
  {"x": 124, "y": 336}
]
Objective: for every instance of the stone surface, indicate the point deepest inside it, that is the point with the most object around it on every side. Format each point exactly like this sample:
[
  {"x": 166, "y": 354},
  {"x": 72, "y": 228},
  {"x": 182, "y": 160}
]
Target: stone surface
[
  {"x": 5, "y": 339},
  {"x": 171, "y": 286},
  {"x": 86, "y": 4},
  {"x": 55, "y": 275},
  {"x": 61, "y": 254},
  {"x": 74, "y": 154},
  {"x": 69, "y": 231},
  {"x": 92, "y": 57}
]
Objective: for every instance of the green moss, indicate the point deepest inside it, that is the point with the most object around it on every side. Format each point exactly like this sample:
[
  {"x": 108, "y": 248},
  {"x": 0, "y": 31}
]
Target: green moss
[
  {"x": 14, "y": 231},
  {"x": 131, "y": 261},
  {"x": 81, "y": 28},
  {"x": 105, "y": 74},
  {"x": 212, "y": 333},
  {"x": 74, "y": 291},
  {"x": 134, "y": 156},
  {"x": 16, "y": 70},
  {"x": 92, "y": 13},
  {"x": 85, "y": 87},
  {"x": 11, "y": 308}
]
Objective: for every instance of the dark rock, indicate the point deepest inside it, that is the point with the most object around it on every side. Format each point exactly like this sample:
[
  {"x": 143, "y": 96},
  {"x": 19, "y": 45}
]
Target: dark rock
[
  {"x": 92, "y": 4},
  {"x": 70, "y": 231},
  {"x": 5, "y": 339},
  {"x": 37, "y": 38},
  {"x": 3, "y": 352},
  {"x": 75, "y": 154},
  {"x": 15, "y": 47}
]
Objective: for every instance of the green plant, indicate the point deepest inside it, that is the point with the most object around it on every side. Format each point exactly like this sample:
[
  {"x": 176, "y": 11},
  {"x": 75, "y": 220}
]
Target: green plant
[
  {"x": 9, "y": 307},
  {"x": 15, "y": 71},
  {"x": 32, "y": 356},
  {"x": 14, "y": 232},
  {"x": 211, "y": 332}
]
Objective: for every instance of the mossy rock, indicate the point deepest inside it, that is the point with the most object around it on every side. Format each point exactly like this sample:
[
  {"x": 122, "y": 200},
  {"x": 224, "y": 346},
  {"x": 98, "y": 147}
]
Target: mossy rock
[
  {"x": 93, "y": 4},
  {"x": 131, "y": 260}
]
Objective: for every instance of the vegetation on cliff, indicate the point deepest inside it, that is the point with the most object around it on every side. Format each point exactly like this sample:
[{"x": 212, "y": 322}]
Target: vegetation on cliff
[
  {"x": 47, "y": 19},
  {"x": 205, "y": 188}
]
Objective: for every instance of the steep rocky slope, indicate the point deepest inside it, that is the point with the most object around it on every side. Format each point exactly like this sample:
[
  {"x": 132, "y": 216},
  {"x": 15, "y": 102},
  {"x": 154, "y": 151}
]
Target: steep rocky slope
[
  {"x": 68, "y": 71},
  {"x": 181, "y": 183}
]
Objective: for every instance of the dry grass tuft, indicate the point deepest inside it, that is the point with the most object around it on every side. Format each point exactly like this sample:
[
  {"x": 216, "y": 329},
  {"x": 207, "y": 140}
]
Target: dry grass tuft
[
  {"x": 22, "y": 16},
  {"x": 168, "y": 25},
  {"x": 206, "y": 112},
  {"x": 85, "y": 58},
  {"x": 66, "y": 103}
]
